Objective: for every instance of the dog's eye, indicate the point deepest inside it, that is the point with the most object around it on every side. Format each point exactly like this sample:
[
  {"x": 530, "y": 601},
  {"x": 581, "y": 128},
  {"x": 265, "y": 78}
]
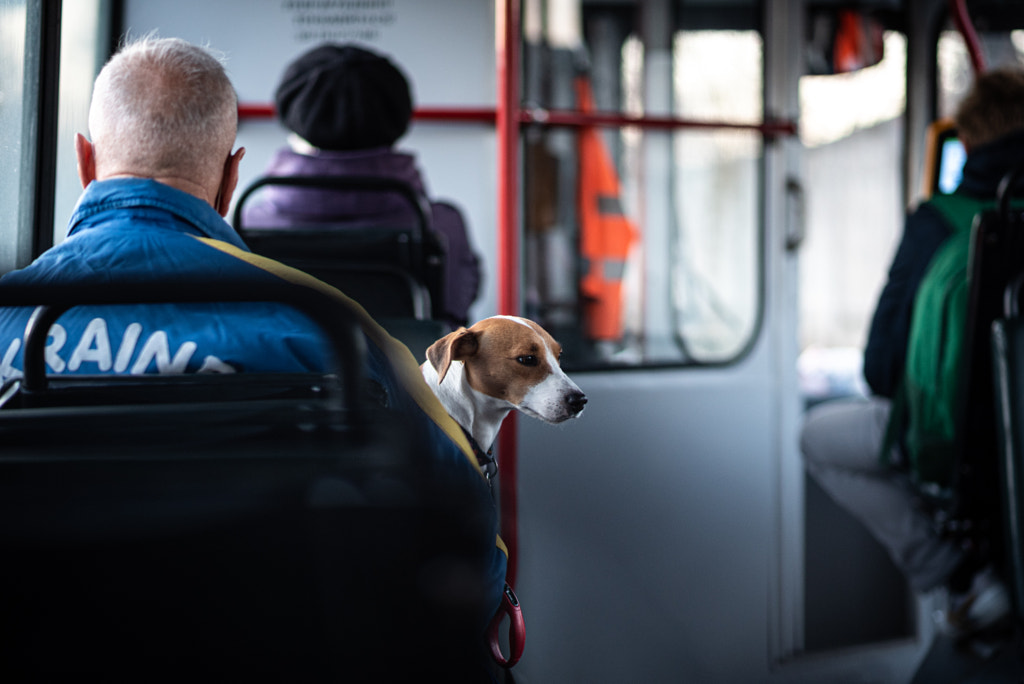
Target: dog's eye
[{"x": 527, "y": 360}]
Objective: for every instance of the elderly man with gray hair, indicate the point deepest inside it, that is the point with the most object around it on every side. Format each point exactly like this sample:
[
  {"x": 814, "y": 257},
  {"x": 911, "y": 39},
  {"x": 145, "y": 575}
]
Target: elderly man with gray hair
[
  {"x": 165, "y": 110},
  {"x": 158, "y": 174}
]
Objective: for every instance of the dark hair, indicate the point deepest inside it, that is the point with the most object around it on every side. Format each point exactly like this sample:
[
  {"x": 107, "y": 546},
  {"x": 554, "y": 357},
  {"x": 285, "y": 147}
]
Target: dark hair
[{"x": 992, "y": 108}]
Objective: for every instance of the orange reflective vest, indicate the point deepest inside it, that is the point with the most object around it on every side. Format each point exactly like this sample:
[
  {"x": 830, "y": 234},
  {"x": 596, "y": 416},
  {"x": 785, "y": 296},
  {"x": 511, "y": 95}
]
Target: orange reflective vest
[{"x": 606, "y": 235}]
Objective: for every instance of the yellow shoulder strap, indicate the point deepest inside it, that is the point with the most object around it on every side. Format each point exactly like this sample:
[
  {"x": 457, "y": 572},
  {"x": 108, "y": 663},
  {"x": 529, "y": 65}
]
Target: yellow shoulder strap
[{"x": 406, "y": 369}]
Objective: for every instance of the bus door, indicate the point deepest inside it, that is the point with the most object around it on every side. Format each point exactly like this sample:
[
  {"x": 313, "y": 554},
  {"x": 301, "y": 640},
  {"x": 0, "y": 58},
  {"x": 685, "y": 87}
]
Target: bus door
[{"x": 660, "y": 188}]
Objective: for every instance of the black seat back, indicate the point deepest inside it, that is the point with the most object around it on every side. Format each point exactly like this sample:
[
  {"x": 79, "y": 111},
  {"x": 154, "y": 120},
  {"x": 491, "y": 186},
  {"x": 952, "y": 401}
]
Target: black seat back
[
  {"x": 251, "y": 527},
  {"x": 394, "y": 272},
  {"x": 997, "y": 255},
  {"x": 1008, "y": 371}
]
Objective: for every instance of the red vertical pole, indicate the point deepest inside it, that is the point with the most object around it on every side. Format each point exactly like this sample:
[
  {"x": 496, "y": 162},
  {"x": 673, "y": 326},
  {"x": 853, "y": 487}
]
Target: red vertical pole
[
  {"x": 507, "y": 15},
  {"x": 958, "y": 10}
]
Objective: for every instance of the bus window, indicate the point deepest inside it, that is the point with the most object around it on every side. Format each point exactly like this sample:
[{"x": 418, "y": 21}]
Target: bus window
[
  {"x": 953, "y": 64},
  {"x": 715, "y": 267},
  {"x": 12, "y": 132},
  {"x": 852, "y": 128},
  {"x": 83, "y": 50},
  {"x": 34, "y": 103},
  {"x": 667, "y": 269}
]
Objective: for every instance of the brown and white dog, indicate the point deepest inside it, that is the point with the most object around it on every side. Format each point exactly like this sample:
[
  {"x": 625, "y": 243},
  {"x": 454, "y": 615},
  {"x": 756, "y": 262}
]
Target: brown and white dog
[{"x": 499, "y": 364}]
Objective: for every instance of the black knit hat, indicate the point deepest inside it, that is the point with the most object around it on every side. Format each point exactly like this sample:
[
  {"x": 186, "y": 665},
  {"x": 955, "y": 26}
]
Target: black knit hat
[{"x": 343, "y": 97}]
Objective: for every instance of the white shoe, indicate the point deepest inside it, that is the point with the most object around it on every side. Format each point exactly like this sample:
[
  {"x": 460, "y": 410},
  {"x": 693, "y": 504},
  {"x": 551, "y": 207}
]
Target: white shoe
[{"x": 986, "y": 604}]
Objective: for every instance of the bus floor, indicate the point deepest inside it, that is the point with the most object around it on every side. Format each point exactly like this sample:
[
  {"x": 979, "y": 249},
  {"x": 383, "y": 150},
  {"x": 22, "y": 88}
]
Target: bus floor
[{"x": 998, "y": 661}]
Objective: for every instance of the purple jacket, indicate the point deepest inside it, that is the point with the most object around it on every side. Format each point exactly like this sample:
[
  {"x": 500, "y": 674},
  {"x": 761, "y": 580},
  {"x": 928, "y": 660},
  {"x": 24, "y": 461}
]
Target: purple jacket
[{"x": 282, "y": 207}]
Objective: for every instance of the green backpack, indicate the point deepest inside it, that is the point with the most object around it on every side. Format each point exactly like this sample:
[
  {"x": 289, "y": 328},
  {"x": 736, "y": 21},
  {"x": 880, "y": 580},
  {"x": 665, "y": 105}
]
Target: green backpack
[{"x": 931, "y": 386}]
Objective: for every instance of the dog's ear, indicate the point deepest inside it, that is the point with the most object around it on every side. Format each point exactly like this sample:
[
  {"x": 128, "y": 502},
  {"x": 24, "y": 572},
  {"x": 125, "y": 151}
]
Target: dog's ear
[{"x": 455, "y": 346}]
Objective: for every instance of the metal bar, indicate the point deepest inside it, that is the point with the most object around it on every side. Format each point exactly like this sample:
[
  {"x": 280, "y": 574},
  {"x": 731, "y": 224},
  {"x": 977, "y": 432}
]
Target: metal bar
[
  {"x": 487, "y": 115},
  {"x": 42, "y": 77},
  {"x": 507, "y": 122},
  {"x": 338, "y": 324},
  {"x": 958, "y": 10},
  {"x": 555, "y": 117},
  {"x": 256, "y": 110},
  {"x": 613, "y": 119},
  {"x": 372, "y": 184}
]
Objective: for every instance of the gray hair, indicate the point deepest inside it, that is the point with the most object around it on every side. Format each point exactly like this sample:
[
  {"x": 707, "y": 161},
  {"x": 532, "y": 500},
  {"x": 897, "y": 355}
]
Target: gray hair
[{"x": 163, "y": 106}]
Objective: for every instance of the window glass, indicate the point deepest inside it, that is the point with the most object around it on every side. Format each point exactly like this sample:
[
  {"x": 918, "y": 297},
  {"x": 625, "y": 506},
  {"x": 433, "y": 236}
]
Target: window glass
[
  {"x": 955, "y": 72},
  {"x": 643, "y": 242},
  {"x": 715, "y": 255},
  {"x": 82, "y": 34},
  {"x": 852, "y": 128},
  {"x": 12, "y": 134}
]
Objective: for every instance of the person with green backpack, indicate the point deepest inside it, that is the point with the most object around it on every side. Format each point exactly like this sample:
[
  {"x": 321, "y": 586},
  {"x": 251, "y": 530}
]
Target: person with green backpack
[{"x": 862, "y": 450}]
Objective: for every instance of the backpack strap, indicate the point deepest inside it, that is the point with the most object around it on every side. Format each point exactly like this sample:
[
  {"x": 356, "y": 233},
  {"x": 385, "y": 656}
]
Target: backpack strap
[{"x": 959, "y": 212}]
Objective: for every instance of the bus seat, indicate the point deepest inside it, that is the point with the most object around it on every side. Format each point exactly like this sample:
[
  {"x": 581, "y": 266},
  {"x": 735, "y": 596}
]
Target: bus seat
[
  {"x": 1008, "y": 370},
  {"x": 416, "y": 334},
  {"x": 231, "y": 526},
  {"x": 382, "y": 288},
  {"x": 392, "y": 271},
  {"x": 997, "y": 255}
]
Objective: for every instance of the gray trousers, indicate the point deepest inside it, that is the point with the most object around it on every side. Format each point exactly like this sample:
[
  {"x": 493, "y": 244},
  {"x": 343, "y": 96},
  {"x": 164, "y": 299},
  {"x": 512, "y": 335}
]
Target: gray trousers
[{"x": 840, "y": 442}]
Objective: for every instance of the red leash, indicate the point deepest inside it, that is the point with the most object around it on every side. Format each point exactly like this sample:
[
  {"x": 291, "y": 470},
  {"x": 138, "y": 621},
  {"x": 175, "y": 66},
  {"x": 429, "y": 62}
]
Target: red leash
[
  {"x": 516, "y": 630},
  {"x": 510, "y": 534},
  {"x": 507, "y": 479}
]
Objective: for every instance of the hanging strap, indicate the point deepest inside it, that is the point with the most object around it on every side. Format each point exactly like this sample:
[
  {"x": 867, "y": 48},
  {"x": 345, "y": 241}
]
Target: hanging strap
[{"x": 516, "y": 630}]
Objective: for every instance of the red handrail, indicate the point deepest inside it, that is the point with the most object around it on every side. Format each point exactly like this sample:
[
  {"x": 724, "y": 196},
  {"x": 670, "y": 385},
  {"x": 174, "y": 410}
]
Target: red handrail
[
  {"x": 958, "y": 10},
  {"x": 507, "y": 123},
  {"x": 262, "y": 110},
  {"x": 560, "y": 117},
  {"x": 577, "y": 118}
]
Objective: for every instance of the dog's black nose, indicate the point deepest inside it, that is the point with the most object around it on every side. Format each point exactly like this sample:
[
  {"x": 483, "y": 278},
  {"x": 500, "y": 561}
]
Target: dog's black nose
[{"x": 576, "y": 401}]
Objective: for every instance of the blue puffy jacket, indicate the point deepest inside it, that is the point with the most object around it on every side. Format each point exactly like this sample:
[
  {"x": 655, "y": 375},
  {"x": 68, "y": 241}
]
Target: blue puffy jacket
[{"x": 138, "y": 230}]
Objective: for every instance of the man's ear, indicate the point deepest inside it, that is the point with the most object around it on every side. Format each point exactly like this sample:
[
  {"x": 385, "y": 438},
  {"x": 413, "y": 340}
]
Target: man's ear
[
  {"x": 86, "y": 155},
  {"x": 228, "y": 182}
]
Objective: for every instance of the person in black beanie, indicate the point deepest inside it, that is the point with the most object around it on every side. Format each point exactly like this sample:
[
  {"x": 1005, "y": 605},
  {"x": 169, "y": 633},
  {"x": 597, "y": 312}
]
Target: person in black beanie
[
  {"x": 344, "y": 97},
  {"x": 346, "y": 107}
]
